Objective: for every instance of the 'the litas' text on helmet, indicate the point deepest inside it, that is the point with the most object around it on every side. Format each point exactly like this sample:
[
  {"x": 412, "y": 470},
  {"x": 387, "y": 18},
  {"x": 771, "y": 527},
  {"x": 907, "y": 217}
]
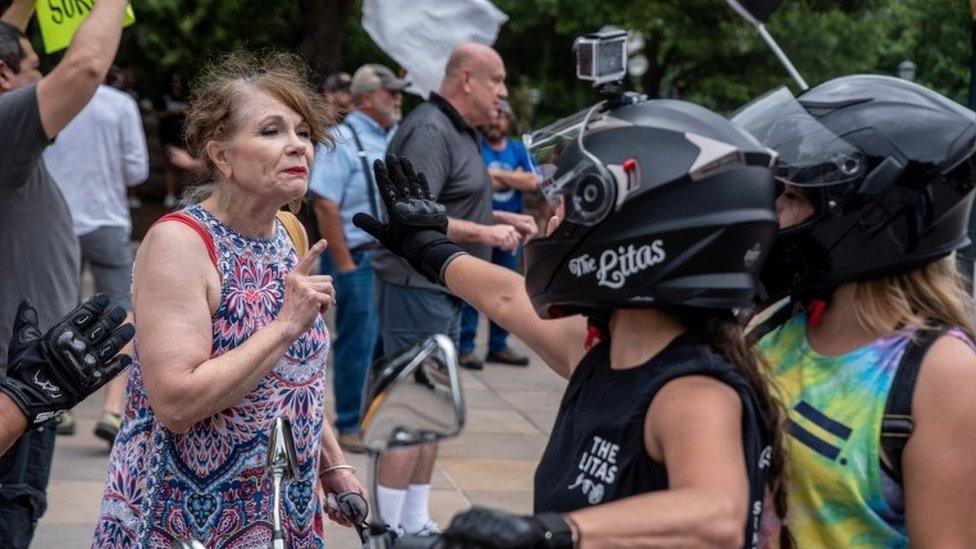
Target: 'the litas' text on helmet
[{"x": 662, "y": 202}]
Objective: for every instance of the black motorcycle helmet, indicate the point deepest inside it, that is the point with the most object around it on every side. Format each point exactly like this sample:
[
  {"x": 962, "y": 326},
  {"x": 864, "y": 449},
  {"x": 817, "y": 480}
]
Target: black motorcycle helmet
[
  {"x": 664, "y": 202},
  {"x": 887, "y": 165}
]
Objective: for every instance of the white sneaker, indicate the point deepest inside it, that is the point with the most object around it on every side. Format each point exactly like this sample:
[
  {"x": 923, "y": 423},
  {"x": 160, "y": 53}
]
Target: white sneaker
[{"x": 429, "y": 528}]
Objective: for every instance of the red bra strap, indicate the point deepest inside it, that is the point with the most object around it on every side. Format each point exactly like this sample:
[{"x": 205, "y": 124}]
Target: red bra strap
[{"x": 196, "y": 226}]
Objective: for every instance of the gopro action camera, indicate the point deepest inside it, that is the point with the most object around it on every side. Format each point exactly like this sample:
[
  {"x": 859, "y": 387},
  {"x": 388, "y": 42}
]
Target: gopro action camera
[{"x": 602, "y": 57}]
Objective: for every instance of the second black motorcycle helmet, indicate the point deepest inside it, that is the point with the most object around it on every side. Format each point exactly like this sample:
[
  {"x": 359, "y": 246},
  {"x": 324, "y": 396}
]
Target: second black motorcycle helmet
[
  {"x": 662, "y": 202},
  {"x": 887, "y": 166}
]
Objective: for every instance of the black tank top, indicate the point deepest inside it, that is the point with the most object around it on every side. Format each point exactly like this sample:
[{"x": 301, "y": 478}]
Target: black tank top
[{"x": 596, "y": 451}]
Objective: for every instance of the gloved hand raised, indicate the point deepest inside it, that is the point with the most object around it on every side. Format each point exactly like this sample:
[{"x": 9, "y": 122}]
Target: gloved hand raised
[
  {"x": 49, "y": 374},
  {"x": 417, "y": 226},
  {"x": 494, "y": 528}
]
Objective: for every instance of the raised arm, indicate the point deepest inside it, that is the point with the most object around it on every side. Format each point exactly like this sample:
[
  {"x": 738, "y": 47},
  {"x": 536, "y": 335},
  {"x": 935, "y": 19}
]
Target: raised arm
[
  {"x": 500, "y": 294},
  {"x": 417, "y": 230},
  {"x": 174, "y": 287},
  {"x": 19, "y": 13},
  {"x": 67, "y": 89}
]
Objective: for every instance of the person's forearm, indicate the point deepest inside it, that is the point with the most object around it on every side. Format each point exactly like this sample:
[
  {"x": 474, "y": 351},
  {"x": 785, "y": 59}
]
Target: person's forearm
[
  {"x": 221, "y": 382},
  {"x": 520, "y": 181},
  {"x": 500, "y": 294},
  {"x": 13, "y": 423},
  {"x": 329, "y": 220},
  {"x": 97, "y": 39},
  {"x": 508, "y": 218},
  {"x": 462, "y": 231},
  {"x": 331, "y": 452},
  {"x": 70, "y": 86},
  {"x": 19, "y": 13},
  {"x": 683, "y": 517},
  {"x": 496, "y": 183}
]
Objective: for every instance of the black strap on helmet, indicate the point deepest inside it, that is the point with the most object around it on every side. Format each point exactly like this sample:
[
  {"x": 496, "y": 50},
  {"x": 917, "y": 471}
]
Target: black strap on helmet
[{"x": 897, "y": 424}]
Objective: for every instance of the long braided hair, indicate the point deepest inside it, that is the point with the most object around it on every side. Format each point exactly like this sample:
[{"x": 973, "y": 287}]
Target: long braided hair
[{"x": 726, "y": 337}]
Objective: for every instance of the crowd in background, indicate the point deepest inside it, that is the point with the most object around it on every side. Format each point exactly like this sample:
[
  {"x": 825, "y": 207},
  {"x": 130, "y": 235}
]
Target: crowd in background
[
  {"x": 232, "y": 304},
  {"x": 125, "y": 161}
]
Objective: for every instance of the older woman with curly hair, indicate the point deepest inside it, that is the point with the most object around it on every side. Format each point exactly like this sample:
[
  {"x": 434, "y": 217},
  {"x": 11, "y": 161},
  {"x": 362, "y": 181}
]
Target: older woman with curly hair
[{"x": 229, "y": 331}]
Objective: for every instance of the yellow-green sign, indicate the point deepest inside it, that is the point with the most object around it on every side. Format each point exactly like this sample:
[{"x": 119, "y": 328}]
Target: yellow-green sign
[{"x": 59, "y": 19}]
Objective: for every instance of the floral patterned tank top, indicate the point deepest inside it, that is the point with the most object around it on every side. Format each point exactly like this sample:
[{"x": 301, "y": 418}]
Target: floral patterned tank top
[{"x": 209, "y": 483}]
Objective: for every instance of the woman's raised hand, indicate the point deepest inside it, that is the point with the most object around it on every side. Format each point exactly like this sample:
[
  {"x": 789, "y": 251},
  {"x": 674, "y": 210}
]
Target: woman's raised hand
[{"x": 306, "y": 296}]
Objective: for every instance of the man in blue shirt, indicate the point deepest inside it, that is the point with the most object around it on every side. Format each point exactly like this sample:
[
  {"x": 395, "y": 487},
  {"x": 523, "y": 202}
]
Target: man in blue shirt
[
  {"x": 342, "y": 184},
  {"x": 511, "y": 173}
]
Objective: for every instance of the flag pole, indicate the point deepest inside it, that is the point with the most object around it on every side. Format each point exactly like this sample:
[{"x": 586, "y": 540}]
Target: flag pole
[
  {"x": 768, "y": 38},
  {"x": 782, "y": 57}
]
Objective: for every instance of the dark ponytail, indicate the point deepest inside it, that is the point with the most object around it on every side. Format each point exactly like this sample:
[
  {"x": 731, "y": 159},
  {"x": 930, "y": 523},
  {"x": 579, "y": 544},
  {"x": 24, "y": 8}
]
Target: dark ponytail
[{"x": 726, "y": 337}]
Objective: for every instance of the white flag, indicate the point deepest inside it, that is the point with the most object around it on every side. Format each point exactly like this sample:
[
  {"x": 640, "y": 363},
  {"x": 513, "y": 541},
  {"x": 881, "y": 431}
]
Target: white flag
[{"x": 420, "y": 34}]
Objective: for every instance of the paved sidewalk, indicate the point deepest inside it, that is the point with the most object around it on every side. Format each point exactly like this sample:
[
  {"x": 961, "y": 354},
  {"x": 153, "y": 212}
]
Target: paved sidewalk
[{"x": 510, "y": 412}]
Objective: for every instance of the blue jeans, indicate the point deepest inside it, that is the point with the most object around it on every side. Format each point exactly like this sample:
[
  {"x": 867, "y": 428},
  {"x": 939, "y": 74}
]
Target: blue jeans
[
  {"x": 24, "y": 472},
  {"x": 497, "y": 336},
  {"x": 357, "y": 327}
]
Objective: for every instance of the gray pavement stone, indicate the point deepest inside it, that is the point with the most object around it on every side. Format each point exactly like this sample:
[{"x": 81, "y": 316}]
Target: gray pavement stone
[{"x": 495, "y": 445}]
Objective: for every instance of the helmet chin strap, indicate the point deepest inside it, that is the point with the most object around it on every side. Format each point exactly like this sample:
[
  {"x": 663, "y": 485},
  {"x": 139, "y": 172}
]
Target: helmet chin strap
[
  {"x": 815, "y": 302},
  {"x": 816, "y": 309},
  {"x": 597, "y": 326}
]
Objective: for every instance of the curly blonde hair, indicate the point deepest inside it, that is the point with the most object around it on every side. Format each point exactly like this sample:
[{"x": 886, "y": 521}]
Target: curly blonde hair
[{"x": 215, "y": 102}]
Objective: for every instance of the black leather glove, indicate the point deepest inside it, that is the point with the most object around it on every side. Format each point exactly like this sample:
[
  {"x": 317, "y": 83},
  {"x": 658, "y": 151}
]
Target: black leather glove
[
  {"x": 417, "y": 227},
  {"x": 481, "y": 527},
  {"x": 49, "y": 374}
]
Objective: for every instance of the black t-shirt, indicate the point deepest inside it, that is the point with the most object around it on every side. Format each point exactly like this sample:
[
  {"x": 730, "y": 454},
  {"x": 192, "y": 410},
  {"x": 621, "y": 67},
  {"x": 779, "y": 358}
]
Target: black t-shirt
[{"x": 596, "y": 451}]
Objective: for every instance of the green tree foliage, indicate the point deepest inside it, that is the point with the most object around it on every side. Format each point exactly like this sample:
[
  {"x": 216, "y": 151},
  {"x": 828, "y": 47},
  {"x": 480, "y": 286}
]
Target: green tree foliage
[
  {"x": 698, "y": 49},
  {"x": 180, "y": 35}
]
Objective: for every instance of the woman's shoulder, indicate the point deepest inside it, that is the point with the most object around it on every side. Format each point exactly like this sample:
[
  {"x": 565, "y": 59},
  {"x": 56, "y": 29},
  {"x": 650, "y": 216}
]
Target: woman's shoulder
[
  {"x": 180, "y": 237},
  {"x": 946, "y": 384},
  {"x": 951, "y": 361}
]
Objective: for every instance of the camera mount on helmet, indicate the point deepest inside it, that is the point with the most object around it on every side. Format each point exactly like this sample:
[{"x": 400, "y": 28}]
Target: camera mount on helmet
[{"x": 601, "y": 58}]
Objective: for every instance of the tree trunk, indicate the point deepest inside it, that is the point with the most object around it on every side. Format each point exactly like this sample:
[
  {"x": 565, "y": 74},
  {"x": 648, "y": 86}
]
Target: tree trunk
[{"x": 325, "y": 33}]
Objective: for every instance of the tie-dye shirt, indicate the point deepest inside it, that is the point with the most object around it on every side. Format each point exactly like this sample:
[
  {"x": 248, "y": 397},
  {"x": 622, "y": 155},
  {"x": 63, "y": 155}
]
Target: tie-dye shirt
[{"x": 839, "y": 496}]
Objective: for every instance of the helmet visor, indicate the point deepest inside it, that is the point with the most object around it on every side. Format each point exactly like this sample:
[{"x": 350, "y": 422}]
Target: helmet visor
[
  {"x": 810, "y": 155},
  {"x": 574, "y": 193},
  {"x": 548, "y": 141}
]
